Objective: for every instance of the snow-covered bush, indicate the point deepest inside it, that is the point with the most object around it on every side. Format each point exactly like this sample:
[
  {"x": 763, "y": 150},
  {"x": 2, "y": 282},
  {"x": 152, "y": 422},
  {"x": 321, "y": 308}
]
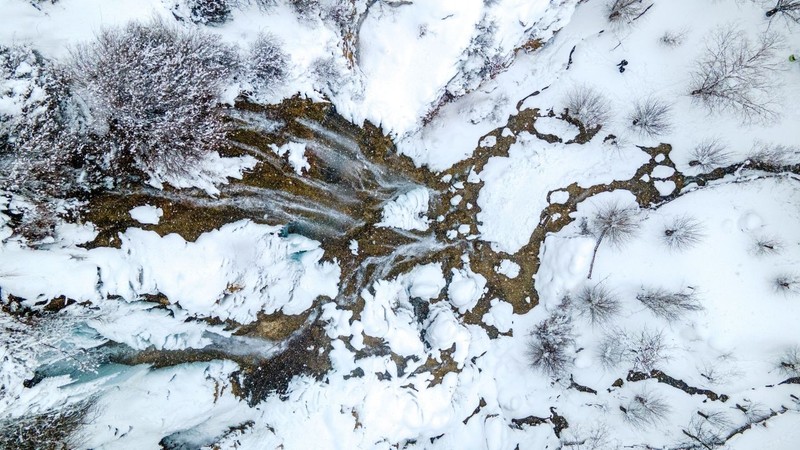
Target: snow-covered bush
[
  {"x": 669, "y": 305},
  {"x": 210, "y": 12},
  {"x": 682, "y": 232},
  {"x": 737, "y": 74},
  {"x": 588, "y": 105},
  {"x": 268, "y": 62},
  {"x": 39, "y": 122},
  {"x": 328, "y": 75},
  {"x": 789, "y": 9},
  {"x": 651, "y": 117},
  {"x": 153, "y": 91},
  {"x": 645, "y": 409},
  {"x": 598, "y": 303},
  {"x": 54, "y": 429},
  {"x": 306, "y": 9},
  {"x": 550, "y": 347},
  {"x": 709, "y": 154}
]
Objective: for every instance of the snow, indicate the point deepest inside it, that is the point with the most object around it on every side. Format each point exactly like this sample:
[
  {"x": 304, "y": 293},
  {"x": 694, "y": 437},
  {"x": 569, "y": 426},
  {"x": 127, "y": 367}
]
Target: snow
[
  {"x": 231, "y": 273},
  {"x": 534, "y": 168},
  {"x": 559, "y": 197},
  {"x": 500, "y": 315},
  {"x": 408, "y": 56},
  {"x": 665, "y": 188},
  {"x": 408, "y": 211},
  {"x": 426, "y": 282},
  {"x": 465, "y": 289},
  {"x": 140, "y": 326},
  {"x": 147, "y": 214},
  {"x": 295, "y": 153},
  {"x": 508, "y": 268},
  {"x": 662, "y": 172}
]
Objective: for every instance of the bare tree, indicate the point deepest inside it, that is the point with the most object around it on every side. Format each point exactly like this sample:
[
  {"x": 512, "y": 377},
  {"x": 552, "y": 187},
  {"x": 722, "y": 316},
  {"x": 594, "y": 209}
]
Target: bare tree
[
  {"x": 615, "y": 223},
  {"x": 735, "y": 74},
  {"x": 669, "y": 305},
  {"x": 790, "y": 9},
  {"x": 588, "y": 105}
]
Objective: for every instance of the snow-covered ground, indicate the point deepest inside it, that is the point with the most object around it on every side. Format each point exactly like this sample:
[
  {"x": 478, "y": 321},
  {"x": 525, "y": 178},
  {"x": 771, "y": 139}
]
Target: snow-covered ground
[{"x": 674, "y": 327}]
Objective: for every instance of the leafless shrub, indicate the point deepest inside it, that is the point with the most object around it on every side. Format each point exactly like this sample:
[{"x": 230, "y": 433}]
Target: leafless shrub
[
  {"x": 647, "y": 350},
  {"x": 774, "y": 155},
  {"x": 54, "y": 429},
  {"x": 598, "y": 303},
  {"x": 268, "y": 62},
  {"x": 709, "y": 154},
  {"x": 720, "y": 370},
  {"x": 613, "y": 222},
  {"x": 753, "y": 411},
  {"x": 766, "y": 245},
  {"x": 153, "y": 90},
  {"x": 736, "y": 74},
  {"x": 707, "y": 430},
  {"x": 787, "y": 284},
  {"x": 643, "y": 351},
  {"x": 789, "y": 9},
  {"x": 682, "y": 232},
  {"x": 588, "y": 105},
  {"x": 667, "y": 304},
  {"x": 651, "y": 117},
  {"x": 672, "y": 38},
  {"x": 645, "y": 409},
  {"x": 596, "y": 438},
  {"x": 789, "y": 362},
  {"x": 623, "y": 12},
  {"x": 611, "y": 351},
  {"x": 549, "y": 349}
]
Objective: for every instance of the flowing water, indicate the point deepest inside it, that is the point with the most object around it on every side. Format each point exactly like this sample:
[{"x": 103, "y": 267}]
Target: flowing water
[{"x": 354, "y": 171}]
